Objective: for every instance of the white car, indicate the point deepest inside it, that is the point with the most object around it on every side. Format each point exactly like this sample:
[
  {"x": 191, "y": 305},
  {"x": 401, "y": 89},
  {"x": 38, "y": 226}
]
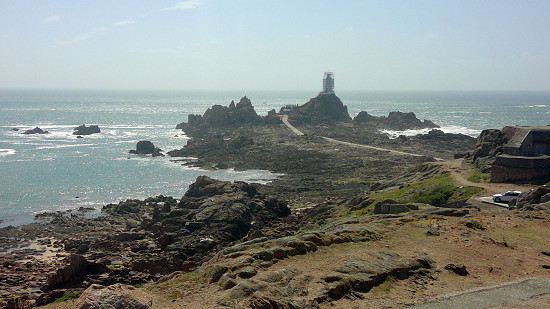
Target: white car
[{"x": 506, "y": 196}]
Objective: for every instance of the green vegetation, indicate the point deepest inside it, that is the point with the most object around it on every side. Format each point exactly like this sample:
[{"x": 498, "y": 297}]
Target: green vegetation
[
  {"x": 474, "y": 224},
  {"x": 67, "y": 296},
  {"x": 436, "y": 191},
  {"x": 385, "y": 286},
  {"x": 477, "y": 176}
]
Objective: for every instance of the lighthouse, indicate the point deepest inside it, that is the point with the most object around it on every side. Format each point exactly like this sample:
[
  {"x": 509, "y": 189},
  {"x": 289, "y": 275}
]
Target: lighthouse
[{"x": 328, "y": 83}]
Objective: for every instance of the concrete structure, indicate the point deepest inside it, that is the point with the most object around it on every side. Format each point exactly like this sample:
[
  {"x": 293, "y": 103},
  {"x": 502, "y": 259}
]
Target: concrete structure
[
  {"x": 526, "y": 156},
  {"x": 328, "y": 83}
]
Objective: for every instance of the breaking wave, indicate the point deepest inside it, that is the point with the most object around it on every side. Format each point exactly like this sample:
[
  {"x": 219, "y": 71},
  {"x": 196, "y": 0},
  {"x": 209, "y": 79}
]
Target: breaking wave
[
  {"x": 7, "y": 152},
  {"x": 448, "y": 129}
]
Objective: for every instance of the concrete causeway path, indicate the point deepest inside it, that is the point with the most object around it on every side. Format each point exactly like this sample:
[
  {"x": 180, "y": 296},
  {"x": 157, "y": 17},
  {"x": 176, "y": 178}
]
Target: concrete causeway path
[
  {"x": 517, "y": 294},
  {"x": 284, "y": 118}
]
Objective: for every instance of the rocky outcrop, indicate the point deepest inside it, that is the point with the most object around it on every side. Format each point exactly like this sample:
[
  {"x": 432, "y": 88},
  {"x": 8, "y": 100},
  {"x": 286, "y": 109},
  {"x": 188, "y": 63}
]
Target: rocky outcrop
[
  {"x": 147, "y": 147},
  {"x": 390, "y": 206},
  {"x": 488, "y": 145},
  {"x": 323, "y": 108},
  {"x": 397, "y": 121},
  {"x": 75, "y": 272},
  {"x": 210, "y": 215},
  {"x": 36, "y": 130},
  {"x": 86, "y": 130},
  {"x": 116, "y": 296},
  {"x": 534, "y": 199},
  {"x": 221, "y": 116}
]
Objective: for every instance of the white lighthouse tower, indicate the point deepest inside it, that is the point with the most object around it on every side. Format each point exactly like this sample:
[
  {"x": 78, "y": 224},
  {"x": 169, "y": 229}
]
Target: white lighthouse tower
[{"x": 328, "y": 83}]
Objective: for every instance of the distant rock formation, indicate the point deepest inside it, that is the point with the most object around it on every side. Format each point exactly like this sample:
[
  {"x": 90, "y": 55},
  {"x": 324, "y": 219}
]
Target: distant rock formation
[
  {"x": 36, "y": 130},
  {"x": 221, "y": 116},
  {"x": 322, "y": 108},
  {"x": 397, "y": 121},
  {"x": 147, "y": 147},
  {"x": 84, "y": 130}
]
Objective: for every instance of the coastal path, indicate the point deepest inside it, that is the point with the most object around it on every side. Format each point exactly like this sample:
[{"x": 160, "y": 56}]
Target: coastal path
[
  {"x": 525, "y": 293},
  {"x": 284, "y": 118}
]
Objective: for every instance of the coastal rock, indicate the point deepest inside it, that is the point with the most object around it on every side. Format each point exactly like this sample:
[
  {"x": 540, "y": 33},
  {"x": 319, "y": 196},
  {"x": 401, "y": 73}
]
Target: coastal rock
[
  {"x": 398, "y": 121},
  {"x": 76, "y": 270},
  {"x": 531, "y": 197},
  {"x": 324, "y": 107},
  {"x": 116, "y": 296},
  {"x": 488, "y": 145},
  {"x": 221, "y": 116},
  {"x": 36, "y": 130},
  {"x": 361, "y": 275},
  {"x": 86, "y": 130},
  {"x": 147, "y": 147},
  {"x": 390, "y": 206}
]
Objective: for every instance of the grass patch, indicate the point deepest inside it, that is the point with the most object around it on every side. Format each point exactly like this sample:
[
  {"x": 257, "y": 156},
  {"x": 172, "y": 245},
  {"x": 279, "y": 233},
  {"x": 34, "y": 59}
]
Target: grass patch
[
  {"x": 67, "y": 296},
  {"x": 436, "y": 191},
  {"x": 477, "y": 176},
  {"x": 385, "y": 286}
]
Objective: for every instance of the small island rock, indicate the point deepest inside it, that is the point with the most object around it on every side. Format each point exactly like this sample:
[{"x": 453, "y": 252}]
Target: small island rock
[
  {"x": 146, "y": 147},
  {"x": 36, "y": 130},
  {"x": 86, "y": 130}
]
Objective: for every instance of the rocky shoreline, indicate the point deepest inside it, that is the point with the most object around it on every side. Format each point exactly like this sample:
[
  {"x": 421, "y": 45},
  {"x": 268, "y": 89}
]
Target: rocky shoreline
[{"x": 228, "y": 231}]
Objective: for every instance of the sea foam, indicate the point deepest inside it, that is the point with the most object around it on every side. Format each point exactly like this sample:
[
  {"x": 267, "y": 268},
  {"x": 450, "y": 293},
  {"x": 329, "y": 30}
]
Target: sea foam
[
  {"x": 447, "y": 129},
  {"x": 7, "y": 152}
]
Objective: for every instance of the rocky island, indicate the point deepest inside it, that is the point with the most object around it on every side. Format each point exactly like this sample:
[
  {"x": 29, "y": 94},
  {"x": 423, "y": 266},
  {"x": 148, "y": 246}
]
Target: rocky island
[{"x": 356, "y": 220}]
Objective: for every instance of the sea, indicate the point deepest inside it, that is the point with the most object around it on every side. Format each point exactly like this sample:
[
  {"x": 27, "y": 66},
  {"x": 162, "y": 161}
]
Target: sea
[{"x": 58, "y": 171}]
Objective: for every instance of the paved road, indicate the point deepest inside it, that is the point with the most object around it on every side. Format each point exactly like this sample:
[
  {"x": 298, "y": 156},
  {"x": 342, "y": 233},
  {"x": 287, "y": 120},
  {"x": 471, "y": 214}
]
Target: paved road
[{"x": 508, "y": 295}]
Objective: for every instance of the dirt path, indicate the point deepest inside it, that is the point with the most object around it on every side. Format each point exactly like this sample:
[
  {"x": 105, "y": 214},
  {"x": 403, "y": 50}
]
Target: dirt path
[{"x": 455, "y": 168}]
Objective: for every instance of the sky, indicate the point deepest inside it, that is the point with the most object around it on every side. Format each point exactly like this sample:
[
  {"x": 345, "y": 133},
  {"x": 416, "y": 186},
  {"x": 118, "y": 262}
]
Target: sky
[{"x": 276, "y": 45}]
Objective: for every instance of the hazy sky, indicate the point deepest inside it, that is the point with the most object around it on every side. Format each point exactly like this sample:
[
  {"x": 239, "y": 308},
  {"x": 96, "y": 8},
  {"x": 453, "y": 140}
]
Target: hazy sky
[{"x": 275, "y": 45}]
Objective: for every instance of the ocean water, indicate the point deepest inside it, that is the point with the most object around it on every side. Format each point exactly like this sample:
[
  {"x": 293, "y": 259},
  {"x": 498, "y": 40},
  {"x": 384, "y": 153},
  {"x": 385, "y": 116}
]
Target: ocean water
[{"x": 57, "y": 171}]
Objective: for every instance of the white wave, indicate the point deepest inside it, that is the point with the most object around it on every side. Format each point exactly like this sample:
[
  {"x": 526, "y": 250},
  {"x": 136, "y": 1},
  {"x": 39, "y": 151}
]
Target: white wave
[
  {"x": 448, "y": 129},
  {"x": 64, "y": 146},
  {"x": 539, "y": 106},
  {"x": 7, "y": 152},
  {"x": 124, "y": 126}
]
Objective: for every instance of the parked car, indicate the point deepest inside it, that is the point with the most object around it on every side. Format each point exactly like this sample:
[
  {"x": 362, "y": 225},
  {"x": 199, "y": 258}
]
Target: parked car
[{"x": 506, "y": 196}]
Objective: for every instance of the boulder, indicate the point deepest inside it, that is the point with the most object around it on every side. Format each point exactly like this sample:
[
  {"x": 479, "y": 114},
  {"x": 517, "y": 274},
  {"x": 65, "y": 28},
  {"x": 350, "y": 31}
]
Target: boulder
[
  {"x": 86, "y": 130},
  {"x": 537, "y": 196},
  {"x": 458, "y": 269},
  {"x": 36, "y": 130},
  {"x": 146, "y": 147},
  {"x": 389, "y": 206},
  {"x": 117, "y": 296},
  {"x": 76, "y": 270}
]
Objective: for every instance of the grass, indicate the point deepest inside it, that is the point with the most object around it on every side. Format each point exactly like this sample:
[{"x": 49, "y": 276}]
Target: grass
[
  {"x": 477, "y": 176},
  {"x": 385, "y": 286},
  {"x": 436, "y": 191},
  {"x": 67, "y": 296}
]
